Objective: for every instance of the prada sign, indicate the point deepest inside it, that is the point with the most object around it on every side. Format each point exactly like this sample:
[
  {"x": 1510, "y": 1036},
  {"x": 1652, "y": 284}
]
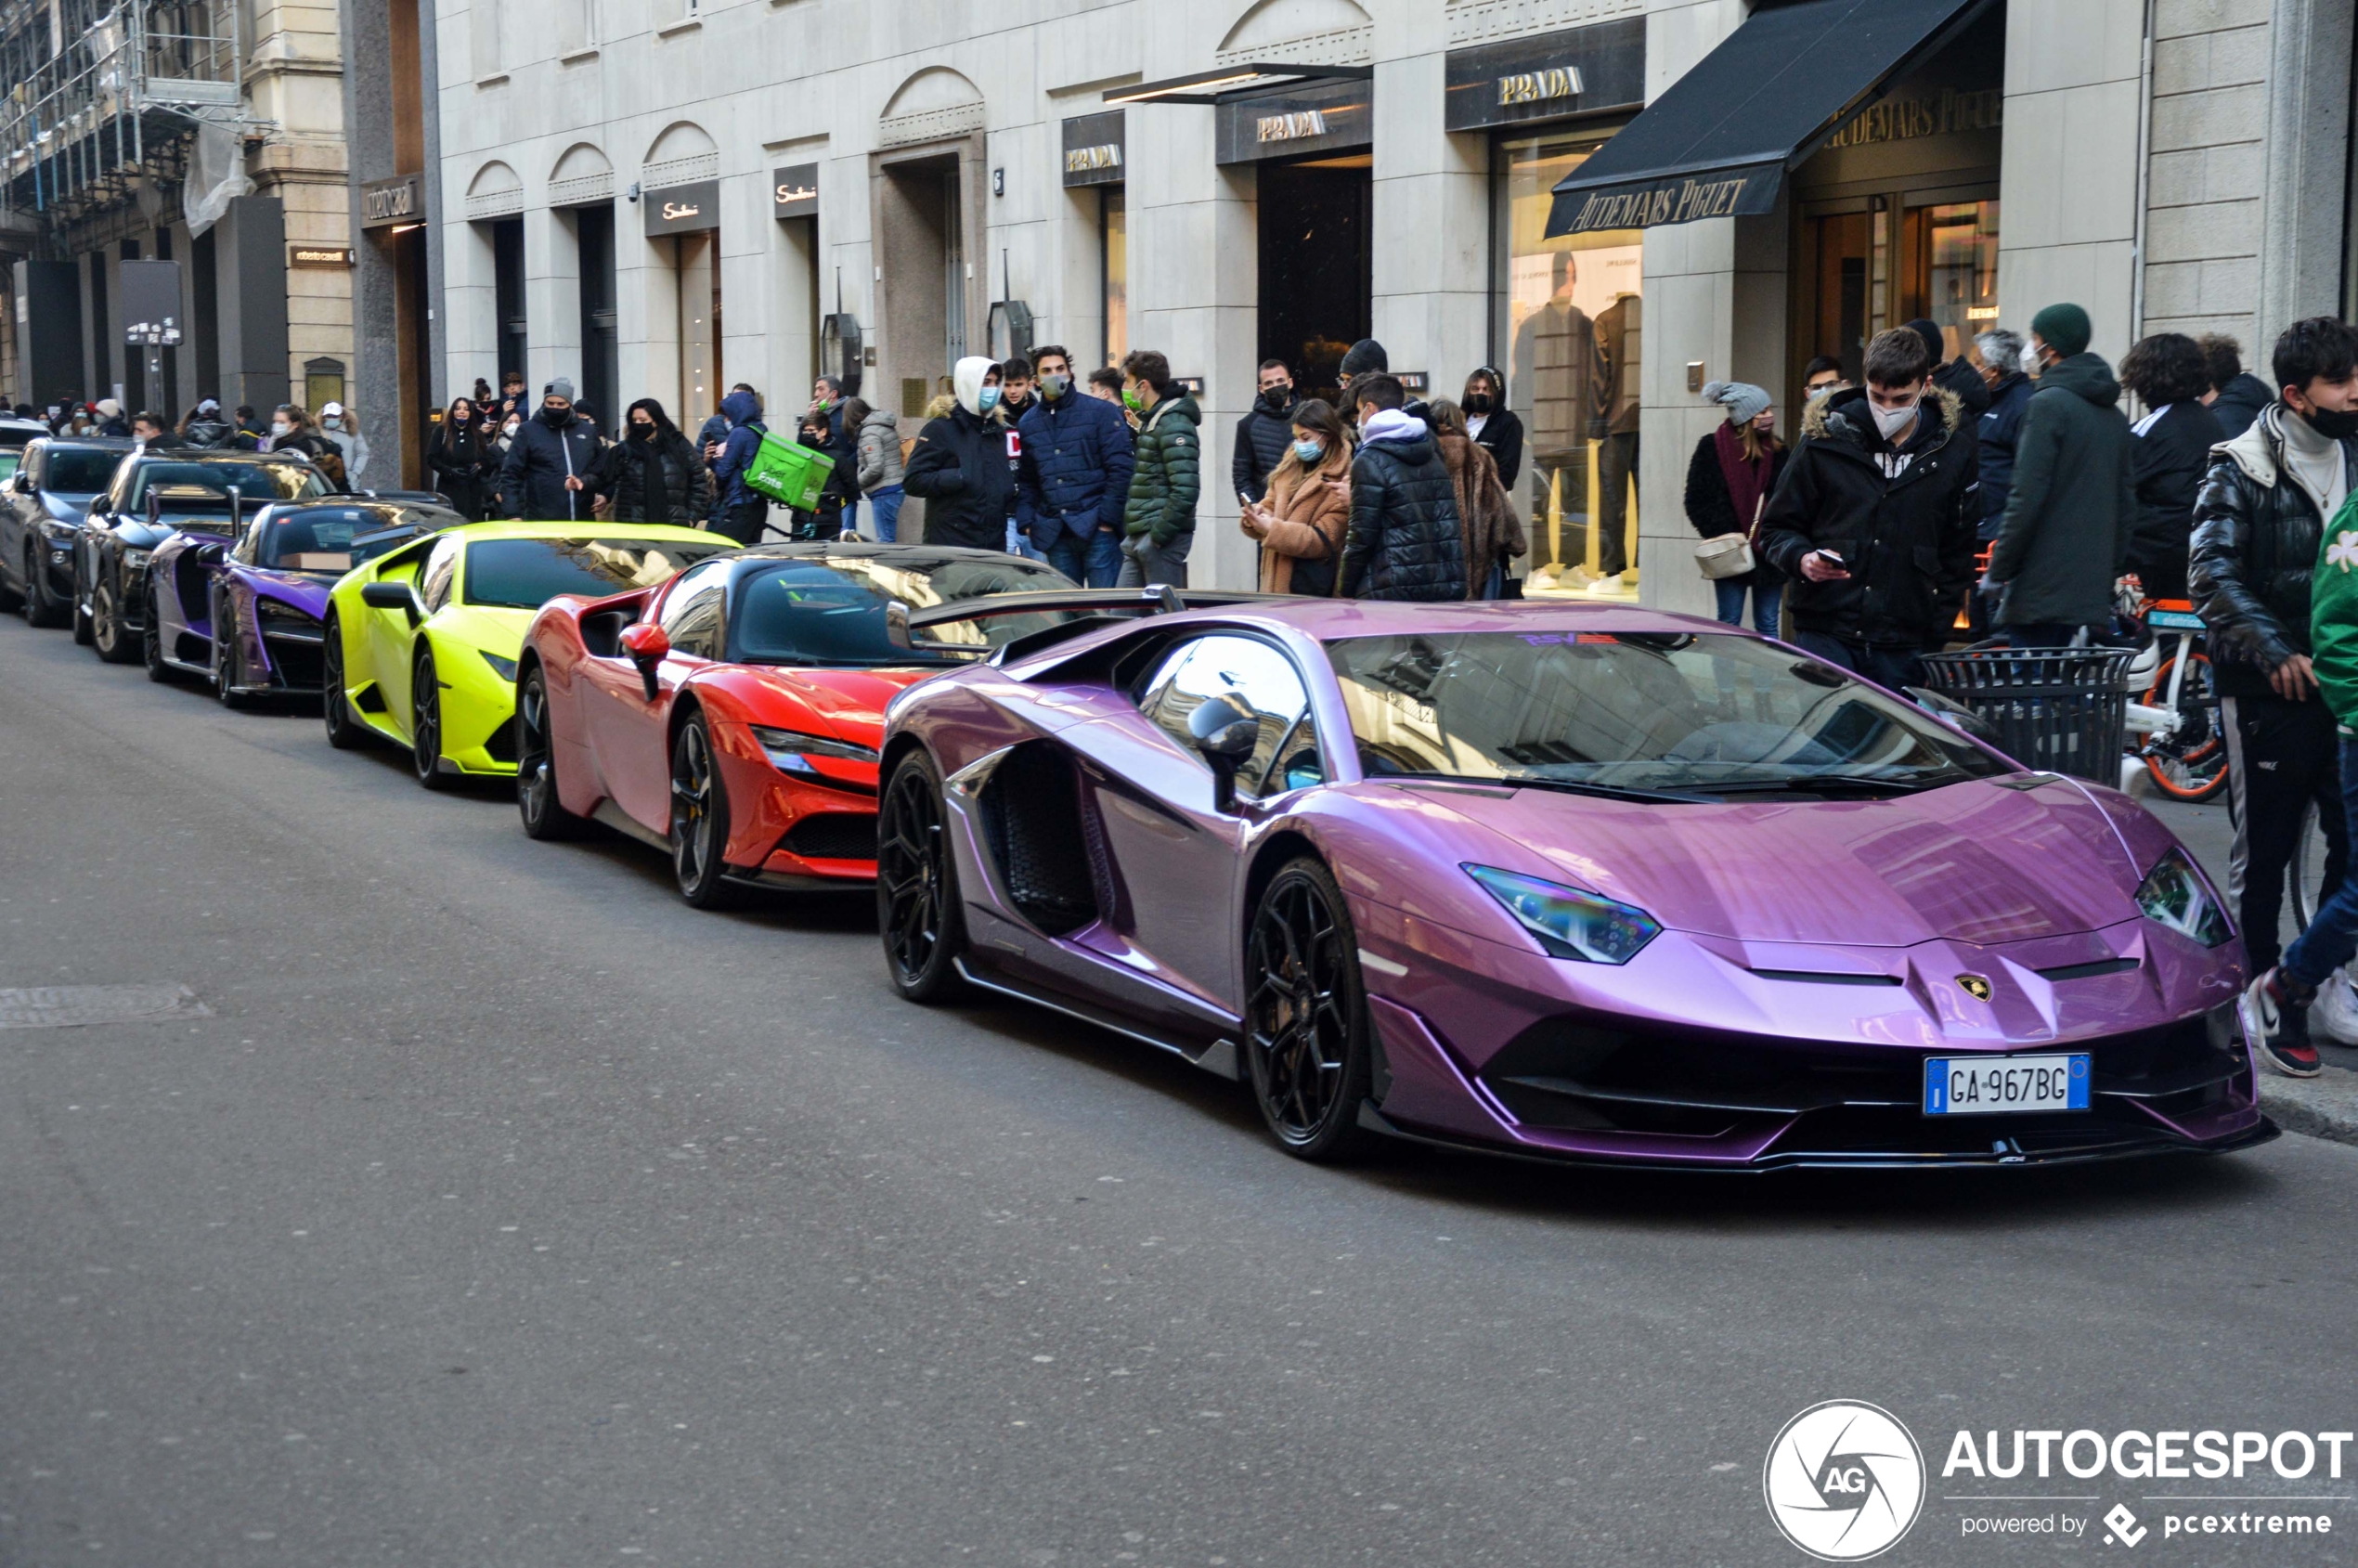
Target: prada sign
[
  {"x": 387, "y": 203},
  {"x": 1293, "y": 121},
  {"x": 794, "y": 192},
  {"x": 1740, "y": 192},
  {"x": 682, "y": 209},
  {"x": 1553, "y": 76},
  {"x": 1093, "y": 146}
]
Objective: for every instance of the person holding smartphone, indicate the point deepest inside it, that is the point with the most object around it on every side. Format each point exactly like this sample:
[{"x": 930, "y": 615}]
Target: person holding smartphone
[{"x": 1874, "y": 516}]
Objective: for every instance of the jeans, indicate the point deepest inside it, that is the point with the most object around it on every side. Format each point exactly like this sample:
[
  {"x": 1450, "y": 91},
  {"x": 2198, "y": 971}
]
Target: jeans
[
  {"x": 1886, "y": 665},
  {"x": 884, "y": 511},
  {"x": 1093, "y": 560},
  {"x": 2332, "y": 937},
  {"x": 1147, "y": 565},
  {"x": 2280, "y": 759},
  {"x": 745, "y": 520},
  {"x": 1767, "y": 601}
]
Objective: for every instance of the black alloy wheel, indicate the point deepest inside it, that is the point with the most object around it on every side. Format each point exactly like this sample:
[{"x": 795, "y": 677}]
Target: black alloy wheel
[
  {"x": 108, "y": 634},
  {"x": 228, "y": 658},
  {"x": 1306, "y": 1015},
  {"x": 15, "y": 599},
  {"x": 83, "y": 631},
  {"x": 917, "y": 906},
  {"x": 538, "y": 802},
  {"x": 699, "y": 820},
  {"x": 425, "y": 725},
  {"x": 345, "y": 732},
  {"x": 151, "y": 643},
  {"x": 41, "y": 606}
]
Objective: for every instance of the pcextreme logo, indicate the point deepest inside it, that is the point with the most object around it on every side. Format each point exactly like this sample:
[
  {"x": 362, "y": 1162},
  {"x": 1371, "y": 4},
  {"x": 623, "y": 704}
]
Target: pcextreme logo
[{"x": 1845, "y": 1480}]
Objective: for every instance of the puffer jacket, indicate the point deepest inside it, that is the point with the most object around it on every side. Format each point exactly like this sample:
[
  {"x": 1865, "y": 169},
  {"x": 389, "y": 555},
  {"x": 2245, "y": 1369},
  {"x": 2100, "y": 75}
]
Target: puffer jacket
[
  {"x": 1262, "y": 438},
  {"x": 662, "y": 480},
  {"x": 2257, "y": 534},
  {"x": 959, "y": 468},
  {"x": 1166, "y": 479},
  {"x": 2240, "y": 403},
  {"x": 1405, "y": 541},
  {"x": 541, "y": 457},
  {"x": 1998, "y": 431},
  {"x": 738, "y": 449},
  {"x": 1074, "y": 475},
  {"x": 879, "y": 461},
  {"x": 2066, "y": 534},
  {"x": 1908, "y": 536}
]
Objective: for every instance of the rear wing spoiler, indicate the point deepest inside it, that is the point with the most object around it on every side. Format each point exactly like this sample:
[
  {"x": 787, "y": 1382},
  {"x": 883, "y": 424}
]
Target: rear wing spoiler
[{"x": 1095, "y": 606}]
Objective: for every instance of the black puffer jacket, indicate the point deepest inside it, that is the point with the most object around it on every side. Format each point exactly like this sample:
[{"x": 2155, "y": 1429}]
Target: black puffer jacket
[
  {"x": 2240, "y": 403},
  {"x": 1262, "y": 438},
  {"x": 960, "y": 468},
  {"x": 1405, "y": 541},
  {"x": 2257, "y": 533},
  {"x": 661, "y": 480},
  {"x": 1908, "y": 538},
  {"x": 2167, "y": 465}
]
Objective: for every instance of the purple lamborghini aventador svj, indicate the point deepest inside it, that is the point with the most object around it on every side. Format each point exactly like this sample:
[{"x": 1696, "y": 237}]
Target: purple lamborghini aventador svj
[{"x": 1581, "y": 883}]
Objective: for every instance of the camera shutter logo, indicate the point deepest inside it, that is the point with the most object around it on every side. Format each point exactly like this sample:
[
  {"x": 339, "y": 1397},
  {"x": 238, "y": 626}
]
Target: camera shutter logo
[{"x": 1845, "y": 1480}]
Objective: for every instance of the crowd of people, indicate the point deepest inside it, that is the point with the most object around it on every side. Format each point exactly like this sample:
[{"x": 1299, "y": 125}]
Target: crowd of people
[{"x": 332, "y": 440}]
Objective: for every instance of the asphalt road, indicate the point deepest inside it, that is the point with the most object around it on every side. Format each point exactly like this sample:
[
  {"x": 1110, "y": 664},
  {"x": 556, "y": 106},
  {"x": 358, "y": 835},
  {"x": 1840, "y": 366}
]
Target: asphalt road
[{"x": 500, "y": 1209}]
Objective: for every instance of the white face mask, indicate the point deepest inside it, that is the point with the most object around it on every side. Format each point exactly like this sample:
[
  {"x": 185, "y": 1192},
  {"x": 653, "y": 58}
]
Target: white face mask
[
  {"x": 1891, "y": 422},
  {"x": 333, "y": 422},
  {"x": 2030, "y": 360},
  {"x": 281, "y": 427}
]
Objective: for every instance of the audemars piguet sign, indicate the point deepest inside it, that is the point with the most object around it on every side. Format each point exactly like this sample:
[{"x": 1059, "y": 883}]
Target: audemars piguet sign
[
  {"x": 385, "y": 203},
  {"x": 682, "y": 209},
  {"x": 1723, "y": 193}
]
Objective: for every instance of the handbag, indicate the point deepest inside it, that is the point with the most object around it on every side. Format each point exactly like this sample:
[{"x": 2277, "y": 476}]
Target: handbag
[{"x": 1730, "y": 555}]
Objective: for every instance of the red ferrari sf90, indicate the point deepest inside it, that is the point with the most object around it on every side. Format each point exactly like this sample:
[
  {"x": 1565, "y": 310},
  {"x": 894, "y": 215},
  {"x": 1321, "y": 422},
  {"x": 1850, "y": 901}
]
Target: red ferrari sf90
[{"x": 731, "y": 716}]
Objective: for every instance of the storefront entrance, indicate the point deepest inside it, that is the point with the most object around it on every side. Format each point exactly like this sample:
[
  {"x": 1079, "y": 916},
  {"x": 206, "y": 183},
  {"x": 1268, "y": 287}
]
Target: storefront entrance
[
  {"x": 1317, "y": 275},
  {"x": 921, "y": 211},
  {"x": 684, "y": 221}
]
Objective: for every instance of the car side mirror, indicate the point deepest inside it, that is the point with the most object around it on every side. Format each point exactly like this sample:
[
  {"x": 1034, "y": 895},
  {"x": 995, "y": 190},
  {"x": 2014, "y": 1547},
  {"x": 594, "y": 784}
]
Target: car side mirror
[
  {"x": 1225, "y": 731},
  {"x": 897, "y": 625},
  {"x": 645, "y": 645},
  {"x": 385, "y": 594},
  {"x": 1972, "y": 721}
]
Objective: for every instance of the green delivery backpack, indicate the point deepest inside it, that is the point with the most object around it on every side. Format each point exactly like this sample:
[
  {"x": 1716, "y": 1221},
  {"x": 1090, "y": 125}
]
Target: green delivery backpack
[{"x": 789, "y": 472}]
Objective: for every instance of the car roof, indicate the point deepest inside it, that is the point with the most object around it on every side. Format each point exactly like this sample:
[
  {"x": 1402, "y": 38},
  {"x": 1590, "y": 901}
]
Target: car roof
[
  {"x": 209, "y": 455},
  {"x": 87, "y": 443},
  {"x": 1329, "y": 619},
  {"x": 587, "y": 529}
]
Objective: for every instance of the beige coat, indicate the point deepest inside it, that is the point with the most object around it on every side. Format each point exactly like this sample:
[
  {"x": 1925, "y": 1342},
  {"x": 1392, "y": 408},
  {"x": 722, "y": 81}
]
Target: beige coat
[{"x": 1307, "y": 515}]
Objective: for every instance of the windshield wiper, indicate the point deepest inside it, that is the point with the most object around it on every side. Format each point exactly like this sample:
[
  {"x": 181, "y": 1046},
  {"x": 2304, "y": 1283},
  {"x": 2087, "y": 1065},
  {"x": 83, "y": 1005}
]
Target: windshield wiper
[
  {"x": 1829, "y": 783},
  {"x": 1563, "y": 786}
]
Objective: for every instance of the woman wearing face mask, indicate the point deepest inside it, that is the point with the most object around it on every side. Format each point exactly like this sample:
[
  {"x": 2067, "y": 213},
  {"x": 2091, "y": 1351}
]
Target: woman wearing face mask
[
  {"x": 1495, "y": 427},
  {"x": 294, "y": 430},
  {"x": 1298, "y": 525},
  {"x": 655, "y": 474},
  {"x": 464, "y": 466},
  {"x": 1730, "y": 479},
  {"x": 339, "y": 424},
  {"x": 959, "y": 464}
]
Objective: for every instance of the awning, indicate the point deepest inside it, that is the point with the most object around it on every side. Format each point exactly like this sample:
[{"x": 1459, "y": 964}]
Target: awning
[{"x": 1717, "y": 143}]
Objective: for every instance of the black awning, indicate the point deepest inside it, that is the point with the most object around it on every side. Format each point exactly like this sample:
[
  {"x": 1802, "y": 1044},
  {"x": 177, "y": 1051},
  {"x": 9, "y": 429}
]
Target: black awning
[{"x": 1717, "y": 143}]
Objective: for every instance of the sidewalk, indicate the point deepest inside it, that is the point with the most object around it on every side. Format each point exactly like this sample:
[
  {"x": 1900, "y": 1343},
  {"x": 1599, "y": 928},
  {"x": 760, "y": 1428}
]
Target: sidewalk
[{"x": 2326, "y": 1106}]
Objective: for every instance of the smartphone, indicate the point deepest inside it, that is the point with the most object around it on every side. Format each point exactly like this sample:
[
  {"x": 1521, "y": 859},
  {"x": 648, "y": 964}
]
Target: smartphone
[
  {"x": 1246, "y": 501},
  {"x": 1839, "y": 562}
]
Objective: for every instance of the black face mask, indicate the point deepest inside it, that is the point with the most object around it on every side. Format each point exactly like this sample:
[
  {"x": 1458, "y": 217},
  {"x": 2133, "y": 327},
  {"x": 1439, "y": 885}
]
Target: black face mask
[
  {"x": 1477, "y": 402},
  {"x": 2334, "y": 424},
  {"x": 556, "y": 419},
  {"x": 642, "y": 433}
]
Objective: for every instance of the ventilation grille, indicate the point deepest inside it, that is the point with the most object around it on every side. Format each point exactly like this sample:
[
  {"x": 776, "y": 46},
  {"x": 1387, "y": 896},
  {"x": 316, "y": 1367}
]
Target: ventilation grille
[
  {"x": 680, "y": 171},
  {"x": 834, "y": 836},
  {"x": 1479, "y": 22},
  {"x": 931, "y": 124},
  {"x": 581, "y": 191}
]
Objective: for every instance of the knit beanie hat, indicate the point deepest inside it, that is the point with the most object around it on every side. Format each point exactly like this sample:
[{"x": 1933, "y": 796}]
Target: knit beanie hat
[
  {"x": 561, "y": 387},
  {"x": 1934, "y": 345},
  {"x": 1366, "y": 358},
  {"x": 2065, "y": 328},
  {"x": 1745, "y": 401}
]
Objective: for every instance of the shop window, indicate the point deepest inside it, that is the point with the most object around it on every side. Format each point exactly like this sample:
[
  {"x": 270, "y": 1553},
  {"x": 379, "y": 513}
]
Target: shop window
[
  {"x": 1570, "y": 318},
  {"x": 1951, "y": 250},
  {"x": 1113, "y": 240}
]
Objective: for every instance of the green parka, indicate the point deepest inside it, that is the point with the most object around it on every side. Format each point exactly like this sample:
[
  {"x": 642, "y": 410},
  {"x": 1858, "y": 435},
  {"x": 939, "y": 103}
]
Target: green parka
[
  {"x": 2068, "y": 517},
  {"x": 1166, "y": 480}
]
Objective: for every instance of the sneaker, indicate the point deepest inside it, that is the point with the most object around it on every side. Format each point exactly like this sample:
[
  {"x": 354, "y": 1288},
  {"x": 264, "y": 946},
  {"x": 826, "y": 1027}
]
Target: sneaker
[
  {"x": 2276, "y": 1020},
  {"x": 2336, "y": 1010}
]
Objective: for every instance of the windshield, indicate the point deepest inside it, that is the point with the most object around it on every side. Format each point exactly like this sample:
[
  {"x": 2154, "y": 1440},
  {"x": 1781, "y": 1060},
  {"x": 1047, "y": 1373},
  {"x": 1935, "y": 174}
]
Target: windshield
[
  {"x": 258, "y": 483},
  {"x": 527, "y": 573},
  {"x": 336, "y": 538},
  {"x": 79, "y": 471},
  {"x": 831, "y": 610},
  {"x": 1638, "y": 711}
]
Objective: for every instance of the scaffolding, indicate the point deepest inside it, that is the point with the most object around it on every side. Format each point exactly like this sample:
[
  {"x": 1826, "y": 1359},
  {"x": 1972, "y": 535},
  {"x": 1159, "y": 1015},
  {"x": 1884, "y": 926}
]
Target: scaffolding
[{"x": 103, "y": 99}]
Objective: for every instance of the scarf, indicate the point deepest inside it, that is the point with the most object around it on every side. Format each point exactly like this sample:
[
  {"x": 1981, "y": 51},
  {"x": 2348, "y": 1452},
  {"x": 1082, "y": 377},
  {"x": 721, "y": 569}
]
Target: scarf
[{"x": 1747, "y": 480}]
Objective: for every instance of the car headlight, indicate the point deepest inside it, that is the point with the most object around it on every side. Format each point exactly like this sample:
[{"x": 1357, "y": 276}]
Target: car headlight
[
  {"x": 1569, "y": 923},
  {"x": 2173, "y": 894},
  {"x": 279, "y": 609},
  {"x": 789, "y": 751},
  {"x": 134, "y": 559},
  {"x": 504, "y": 669}
]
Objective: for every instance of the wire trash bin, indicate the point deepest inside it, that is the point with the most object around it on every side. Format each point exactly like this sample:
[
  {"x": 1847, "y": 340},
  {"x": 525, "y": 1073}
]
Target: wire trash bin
[{"x": 2063, "y": 710}]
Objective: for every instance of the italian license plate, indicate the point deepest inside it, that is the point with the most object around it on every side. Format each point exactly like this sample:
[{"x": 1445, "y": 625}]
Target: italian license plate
[{"x": 1987, "y": 1085}]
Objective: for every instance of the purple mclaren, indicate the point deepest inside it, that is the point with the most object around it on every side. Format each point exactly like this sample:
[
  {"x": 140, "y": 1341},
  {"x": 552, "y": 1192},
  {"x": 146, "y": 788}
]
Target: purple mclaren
[
  {"x": 1589, "y": 883},
  {"x": 246, "y": 611}
]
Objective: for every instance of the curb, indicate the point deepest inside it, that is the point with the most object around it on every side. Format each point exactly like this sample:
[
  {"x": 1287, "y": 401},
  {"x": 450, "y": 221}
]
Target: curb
[{"x": 2322, "y": 1108}]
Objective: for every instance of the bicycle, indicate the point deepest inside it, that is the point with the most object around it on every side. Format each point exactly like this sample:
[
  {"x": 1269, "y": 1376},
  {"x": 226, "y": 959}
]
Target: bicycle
[{"x": 2173, "y": 719}]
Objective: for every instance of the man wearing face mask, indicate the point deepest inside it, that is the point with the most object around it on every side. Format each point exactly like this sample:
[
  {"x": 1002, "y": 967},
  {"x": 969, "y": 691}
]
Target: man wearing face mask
[
  {"x": 551, "y": 470},
  {"x": 1873, "y": 516},
  {"x": 1074, "y": 474},
  {"x": 2072, "y": 503},
  {"x": 2260, "y": 522},
  {"x": 959, "y": 464},
  {"x": 1264, "y": 431}
]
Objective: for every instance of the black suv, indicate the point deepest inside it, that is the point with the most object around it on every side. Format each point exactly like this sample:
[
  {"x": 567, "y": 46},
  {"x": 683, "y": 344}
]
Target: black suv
[
  {"x": 155, "y": 491},
  {"x": 42, "y": 506}
]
